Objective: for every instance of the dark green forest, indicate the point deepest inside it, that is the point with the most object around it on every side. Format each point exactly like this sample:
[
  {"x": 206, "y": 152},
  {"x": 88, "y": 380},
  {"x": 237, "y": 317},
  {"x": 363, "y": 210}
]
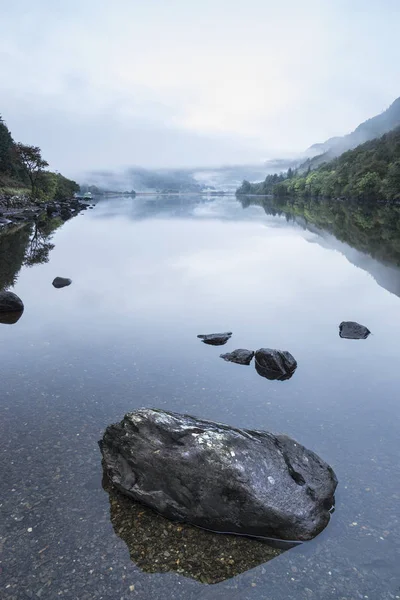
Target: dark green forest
[
  {"x": 23, "y": 170},
  {"x": 369, "y": 172}
]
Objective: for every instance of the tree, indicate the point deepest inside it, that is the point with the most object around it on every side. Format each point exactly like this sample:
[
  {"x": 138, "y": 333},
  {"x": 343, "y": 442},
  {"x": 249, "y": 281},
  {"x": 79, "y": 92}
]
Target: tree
[
  {"x": 32, "y": 162},
  {"x": 6, "y": 148},
  {"x": 391, "y": 183}
]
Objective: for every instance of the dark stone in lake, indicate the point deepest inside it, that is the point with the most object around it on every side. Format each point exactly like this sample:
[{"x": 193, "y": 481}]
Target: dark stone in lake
[
  {"x": 353, "y": 331},
  {"x": 10, "y": 303},
  {"x": 10, "y": 318},
  {"x": 275, "y": 364},
  {"x": 215, "y": 339},
  {"x": 157, "y": 545},
  {"x": 220, "y": 478},
  {"x": 239, "y": 356},
  {"x": 60, "y": 282}
]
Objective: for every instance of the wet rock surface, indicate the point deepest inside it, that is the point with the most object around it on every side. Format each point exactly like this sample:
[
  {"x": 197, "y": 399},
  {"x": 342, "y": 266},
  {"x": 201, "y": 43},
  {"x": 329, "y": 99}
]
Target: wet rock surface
[
  {"x": 219, "y": 478},
  {"x": 157, "y": 545},
  {"x": 239, "y": 356},
  {"x": 60, "y": 282},
  {"x": 215, "y": 339},
  {"x": 275, "y": 364},
  {"x": 351, "y": 330},
  {"x": 10, "y": 303}
]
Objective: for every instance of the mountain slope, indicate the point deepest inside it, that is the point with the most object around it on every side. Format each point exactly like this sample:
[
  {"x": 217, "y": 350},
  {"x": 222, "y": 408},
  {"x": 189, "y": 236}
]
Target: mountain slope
[
  {"x": 370, "y": 172},
  {"x": 368, "y": 130}
]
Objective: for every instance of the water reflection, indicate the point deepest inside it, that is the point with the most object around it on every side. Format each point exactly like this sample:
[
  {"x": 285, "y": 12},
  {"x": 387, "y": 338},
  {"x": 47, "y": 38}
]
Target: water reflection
[
  {"x": 26, "y": 245},
  {"x": 368, "y": 235},
  {"x": 157, "y": 545}
]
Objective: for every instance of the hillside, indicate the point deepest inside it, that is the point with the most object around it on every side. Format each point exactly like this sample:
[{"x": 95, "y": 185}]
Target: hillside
[
  {"x": 369, "y": 172},
  {"x": 368, "y": 130},
  {"x": 23, "y": 172}
]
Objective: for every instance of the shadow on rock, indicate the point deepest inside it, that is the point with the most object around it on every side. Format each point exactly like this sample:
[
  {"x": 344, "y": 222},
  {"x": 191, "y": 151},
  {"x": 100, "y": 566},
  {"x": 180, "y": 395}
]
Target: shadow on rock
[
  {"x": 275, "y": 364},
  {"x": 157, "y": 545}
]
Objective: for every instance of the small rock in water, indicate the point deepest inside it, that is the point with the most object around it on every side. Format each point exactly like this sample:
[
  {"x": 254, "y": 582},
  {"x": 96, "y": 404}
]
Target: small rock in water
[
  {"x": 275, "y": 364},
  {"x": 218, "y": 477},
  {"x": 10, "y": 318},
  {"x": 215, "y": 339},
  {"x": 239, "y": 356},
  {"x": 10, "y": 303},
  {"x": 353, "y": 331},
  {"x": 60, "y": 282}
]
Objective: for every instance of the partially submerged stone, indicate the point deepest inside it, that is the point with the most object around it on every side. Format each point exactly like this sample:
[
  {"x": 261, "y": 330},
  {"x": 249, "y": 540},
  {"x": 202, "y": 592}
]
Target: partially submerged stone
[
  {"x": 239, "y": 356},
  {"x": 218, "y": 477},
  {"x": 10, "y": 318},
  {"x": 275, "y": 364},
  {"x": 215, "y": 339},
  {"x": 10, "y": 303},
  {"x": 157, "y": 545},
  {"x": 353, "y": 331},
  {"x": 60, "y": 282}
]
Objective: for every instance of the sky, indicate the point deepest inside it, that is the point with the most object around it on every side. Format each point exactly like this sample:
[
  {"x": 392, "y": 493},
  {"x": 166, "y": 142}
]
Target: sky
[{"x": 184, "y": 83}]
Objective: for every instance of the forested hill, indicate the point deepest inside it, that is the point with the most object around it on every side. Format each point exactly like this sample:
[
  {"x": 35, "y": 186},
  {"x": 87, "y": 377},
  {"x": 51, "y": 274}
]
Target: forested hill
[
  {"x": 366, "y": 131},
  {"x": 369, "y": 172},
  {"x": 23, "y": 171}
]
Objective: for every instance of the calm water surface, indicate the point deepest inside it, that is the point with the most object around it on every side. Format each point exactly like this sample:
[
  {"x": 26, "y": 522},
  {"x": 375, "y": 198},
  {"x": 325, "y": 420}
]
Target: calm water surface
[{"x": 149, "y": 274}]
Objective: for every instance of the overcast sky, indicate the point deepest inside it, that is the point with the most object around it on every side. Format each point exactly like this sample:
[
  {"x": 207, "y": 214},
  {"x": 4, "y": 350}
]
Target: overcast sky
[{"x": 100, "y": 84}]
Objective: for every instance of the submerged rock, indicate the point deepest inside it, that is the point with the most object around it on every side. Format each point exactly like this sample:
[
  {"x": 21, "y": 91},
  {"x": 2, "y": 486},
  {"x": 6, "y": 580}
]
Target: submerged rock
[
  {"x": 157, "y": 545},
  {"x": 239, "y": 356},
  {"x": 215, "y": 339},
  {"x": 10, "y": 303},
  {"x": 60, "y": 282},
  {"x": 275, "y": 364},
  {"x": 9, "y": 318},
  {"x": 353, "y": 331},
  {"x": 220, "y": 478}
]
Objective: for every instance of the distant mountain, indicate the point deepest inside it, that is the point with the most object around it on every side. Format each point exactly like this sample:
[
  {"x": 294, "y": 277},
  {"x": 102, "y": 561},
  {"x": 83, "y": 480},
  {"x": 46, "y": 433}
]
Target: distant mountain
[
  {"x": 368, "y": 130},
  {"x": 225, "y": 178}
]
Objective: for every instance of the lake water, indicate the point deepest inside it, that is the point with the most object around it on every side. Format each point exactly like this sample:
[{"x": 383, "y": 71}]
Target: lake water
[{"x": 149, "y": 274}]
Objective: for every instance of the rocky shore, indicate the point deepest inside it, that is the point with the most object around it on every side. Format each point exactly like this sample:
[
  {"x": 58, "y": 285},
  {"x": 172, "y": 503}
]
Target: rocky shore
[{"x": 20, "y": 208}]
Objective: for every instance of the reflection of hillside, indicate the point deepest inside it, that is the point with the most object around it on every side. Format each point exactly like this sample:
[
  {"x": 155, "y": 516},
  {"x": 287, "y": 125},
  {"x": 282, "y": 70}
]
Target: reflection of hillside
[
  {"x": 25, "y": 245},
  {"x": 369, "y": 236},
  {"x": 13, "y": 246},
  {"x": 157, "y": 545}
]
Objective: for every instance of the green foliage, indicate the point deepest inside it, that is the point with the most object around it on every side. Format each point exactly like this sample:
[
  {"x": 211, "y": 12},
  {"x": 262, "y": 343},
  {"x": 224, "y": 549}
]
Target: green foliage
[
  {"x": 369, "y": 172},
  {"x": 30, "y": 158},
  {"x": 65, "y": 188},
  {"x": 6, "y": 150},
  {"x": 22, "y": 166}
]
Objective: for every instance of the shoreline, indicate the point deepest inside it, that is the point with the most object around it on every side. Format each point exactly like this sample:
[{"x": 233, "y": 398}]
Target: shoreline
[{"x": 20, "y": 210}]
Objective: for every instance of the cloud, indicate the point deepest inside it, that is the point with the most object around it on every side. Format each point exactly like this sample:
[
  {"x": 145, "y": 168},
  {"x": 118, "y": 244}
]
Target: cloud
[{"x": 197, "y": 79}]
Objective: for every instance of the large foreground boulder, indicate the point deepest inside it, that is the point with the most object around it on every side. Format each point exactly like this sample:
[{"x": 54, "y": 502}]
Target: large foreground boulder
[
  {"x": 275, "y": 364},
  {"x": 10, "y": 303},
  {"x": 218, "y": 477},
  {"x": 215, "y": 339},
  {"x": 353, "y": 331}
]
